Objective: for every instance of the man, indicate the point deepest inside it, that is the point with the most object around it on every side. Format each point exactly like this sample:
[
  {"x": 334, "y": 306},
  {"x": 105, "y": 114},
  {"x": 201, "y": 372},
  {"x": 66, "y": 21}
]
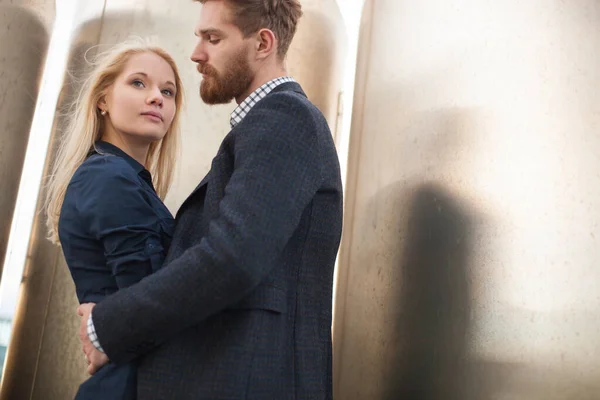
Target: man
[{"x": 242, "y": 307}]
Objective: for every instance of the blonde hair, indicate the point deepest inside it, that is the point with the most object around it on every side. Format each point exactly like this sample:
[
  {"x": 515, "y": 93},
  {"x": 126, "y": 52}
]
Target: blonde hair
[{"x": 86, "y": 126}]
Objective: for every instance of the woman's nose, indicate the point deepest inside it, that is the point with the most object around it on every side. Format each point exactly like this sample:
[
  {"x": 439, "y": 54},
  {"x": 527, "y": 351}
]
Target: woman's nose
[{"x": 156, "y": 97}]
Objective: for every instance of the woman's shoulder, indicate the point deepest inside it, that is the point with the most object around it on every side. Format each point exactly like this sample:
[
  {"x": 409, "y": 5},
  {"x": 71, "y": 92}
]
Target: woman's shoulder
[{"x": 104, "y": 169}]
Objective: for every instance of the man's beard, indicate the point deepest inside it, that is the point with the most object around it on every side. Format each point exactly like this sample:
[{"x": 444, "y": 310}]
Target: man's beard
[{"x": 221, "y": 88}]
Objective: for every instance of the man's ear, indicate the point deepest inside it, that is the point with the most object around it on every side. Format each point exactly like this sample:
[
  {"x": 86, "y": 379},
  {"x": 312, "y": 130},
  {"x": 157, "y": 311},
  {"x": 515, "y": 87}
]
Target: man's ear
[{"x": 266, "y": 43}]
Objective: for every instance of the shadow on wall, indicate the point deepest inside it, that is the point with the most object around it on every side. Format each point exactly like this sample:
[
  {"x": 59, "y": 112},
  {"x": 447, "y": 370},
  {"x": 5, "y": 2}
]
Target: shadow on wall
[
  {"x": 412, "y": 256},
  {"x": 441, "y": 239},
  {"x": 433, "y": 319},
  {"x": 429, "y": 357}
]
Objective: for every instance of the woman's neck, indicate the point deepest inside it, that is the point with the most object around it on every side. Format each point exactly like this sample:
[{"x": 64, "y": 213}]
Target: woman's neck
[{"x": 134, "y": 149}]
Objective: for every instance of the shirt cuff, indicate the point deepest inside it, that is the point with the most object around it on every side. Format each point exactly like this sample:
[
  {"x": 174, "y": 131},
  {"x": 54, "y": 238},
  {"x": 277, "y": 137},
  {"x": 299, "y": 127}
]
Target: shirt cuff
[{"x": 91, "y": 331}]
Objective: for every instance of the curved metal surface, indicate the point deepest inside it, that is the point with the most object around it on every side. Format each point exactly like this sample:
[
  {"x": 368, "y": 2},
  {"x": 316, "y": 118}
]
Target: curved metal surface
[
  {"x": 24, "y": 36},
  {"x": 470, "y": 253},
  {"x": 24, "y": 39},
  {"x": 317, "y": 54}
]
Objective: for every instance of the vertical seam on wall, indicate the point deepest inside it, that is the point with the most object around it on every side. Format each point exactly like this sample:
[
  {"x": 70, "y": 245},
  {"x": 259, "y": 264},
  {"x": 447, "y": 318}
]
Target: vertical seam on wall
[
  {"x": 42, "y": 333},
  {"x": 101, "y": 23},
  {"x": 351, "y": 184}
]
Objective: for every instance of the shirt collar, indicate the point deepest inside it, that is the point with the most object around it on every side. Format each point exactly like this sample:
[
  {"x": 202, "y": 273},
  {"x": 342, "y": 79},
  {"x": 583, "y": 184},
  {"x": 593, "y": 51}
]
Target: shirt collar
[
  {"x": 109, "y": 148},
  {"x": 245, "y": 106}
]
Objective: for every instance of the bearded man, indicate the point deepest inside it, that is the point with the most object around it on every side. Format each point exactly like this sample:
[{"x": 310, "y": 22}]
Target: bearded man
[{"x": 242, "y": 307}]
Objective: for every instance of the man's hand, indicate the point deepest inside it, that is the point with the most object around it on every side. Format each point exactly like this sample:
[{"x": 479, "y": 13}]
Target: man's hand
[{"x": 95, "y": 358}]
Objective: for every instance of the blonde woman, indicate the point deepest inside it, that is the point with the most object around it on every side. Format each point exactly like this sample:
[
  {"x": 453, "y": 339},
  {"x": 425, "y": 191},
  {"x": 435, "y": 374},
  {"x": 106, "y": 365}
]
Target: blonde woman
[{"x": 113, "y": 169}]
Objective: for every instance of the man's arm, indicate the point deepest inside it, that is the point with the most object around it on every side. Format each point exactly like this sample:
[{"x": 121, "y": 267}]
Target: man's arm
[
  {"x": 94, "y": 356},
  {"x": 277, "y": 173}
]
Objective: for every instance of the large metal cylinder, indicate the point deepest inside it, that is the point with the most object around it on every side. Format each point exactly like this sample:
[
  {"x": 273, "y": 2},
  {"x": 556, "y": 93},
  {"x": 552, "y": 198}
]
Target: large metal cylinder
[
  {"x": 24, "y": 36},
  {"x": 25, "y": 28},
  {"x": 469, "y": 263}
]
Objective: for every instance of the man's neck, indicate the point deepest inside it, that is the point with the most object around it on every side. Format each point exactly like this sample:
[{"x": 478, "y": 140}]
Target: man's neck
[{"x": 263, "y": 76}]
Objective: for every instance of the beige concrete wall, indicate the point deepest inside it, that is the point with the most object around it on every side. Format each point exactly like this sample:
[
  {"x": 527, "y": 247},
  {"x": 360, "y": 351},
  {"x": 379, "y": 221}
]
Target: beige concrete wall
[
  {"x": 45, "y": 361},
  {"x": 470, "y": 250}
]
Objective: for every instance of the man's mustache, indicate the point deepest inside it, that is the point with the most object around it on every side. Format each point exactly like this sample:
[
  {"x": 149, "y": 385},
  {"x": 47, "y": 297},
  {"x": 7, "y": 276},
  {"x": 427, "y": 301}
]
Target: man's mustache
[{"x": 207, "y": 70}]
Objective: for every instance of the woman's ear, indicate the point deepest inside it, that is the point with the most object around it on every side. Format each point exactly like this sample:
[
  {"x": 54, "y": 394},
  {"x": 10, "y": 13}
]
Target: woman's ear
[{"x": 102, "y": 104}]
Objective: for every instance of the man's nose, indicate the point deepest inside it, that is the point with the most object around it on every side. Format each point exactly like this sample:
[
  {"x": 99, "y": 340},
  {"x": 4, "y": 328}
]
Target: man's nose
[{"x": 198, "y": 54}]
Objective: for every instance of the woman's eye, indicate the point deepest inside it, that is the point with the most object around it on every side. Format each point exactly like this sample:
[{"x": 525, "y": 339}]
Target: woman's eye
[
  {"x": 137, "y": 83},
  {"x": 168, "y": 92}
]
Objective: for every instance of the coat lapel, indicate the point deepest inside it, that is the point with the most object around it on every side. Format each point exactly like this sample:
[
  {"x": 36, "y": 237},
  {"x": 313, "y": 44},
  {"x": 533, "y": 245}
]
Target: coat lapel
[
  {"x": 199, "y": 190},
  {"x": 202, "y": 183}
]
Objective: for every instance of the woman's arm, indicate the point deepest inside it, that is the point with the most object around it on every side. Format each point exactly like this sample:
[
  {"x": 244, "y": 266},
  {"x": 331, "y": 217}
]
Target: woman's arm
[{"x": 115, "y": 207}]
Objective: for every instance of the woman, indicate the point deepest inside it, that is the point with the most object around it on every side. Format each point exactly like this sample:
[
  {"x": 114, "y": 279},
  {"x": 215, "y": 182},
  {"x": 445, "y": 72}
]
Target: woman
[{"x": 113, "y": 169}]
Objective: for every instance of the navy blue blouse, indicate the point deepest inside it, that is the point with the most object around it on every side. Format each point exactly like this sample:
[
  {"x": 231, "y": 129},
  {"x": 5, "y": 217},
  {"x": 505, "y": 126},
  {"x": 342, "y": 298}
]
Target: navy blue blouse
[
  {"x": 114, "y": 231},
  {"x": 113, "y": 227}
]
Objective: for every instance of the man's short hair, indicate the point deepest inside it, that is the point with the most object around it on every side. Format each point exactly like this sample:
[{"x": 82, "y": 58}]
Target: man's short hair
[{"x": 280, "y": 16}]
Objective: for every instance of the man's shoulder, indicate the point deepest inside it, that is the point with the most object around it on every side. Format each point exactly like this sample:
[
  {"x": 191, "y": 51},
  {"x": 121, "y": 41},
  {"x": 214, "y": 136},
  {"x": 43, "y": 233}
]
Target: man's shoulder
[
  {"x": 288, "y": 99},
  {"x": 285, "y": 105}
]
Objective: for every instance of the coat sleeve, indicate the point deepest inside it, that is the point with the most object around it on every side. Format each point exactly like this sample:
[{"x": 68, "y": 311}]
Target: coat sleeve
[{"x": 276, "y": 175}]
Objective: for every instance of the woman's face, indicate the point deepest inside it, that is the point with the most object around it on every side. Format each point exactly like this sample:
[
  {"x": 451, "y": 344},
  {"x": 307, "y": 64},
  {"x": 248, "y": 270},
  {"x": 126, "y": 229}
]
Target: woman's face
[{"x": 141, "y": 102}]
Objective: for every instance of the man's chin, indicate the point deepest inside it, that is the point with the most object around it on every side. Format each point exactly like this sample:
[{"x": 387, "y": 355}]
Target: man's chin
[
  {"x": 214, "y": 98},
  {"x": 215, "y": 101}
]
